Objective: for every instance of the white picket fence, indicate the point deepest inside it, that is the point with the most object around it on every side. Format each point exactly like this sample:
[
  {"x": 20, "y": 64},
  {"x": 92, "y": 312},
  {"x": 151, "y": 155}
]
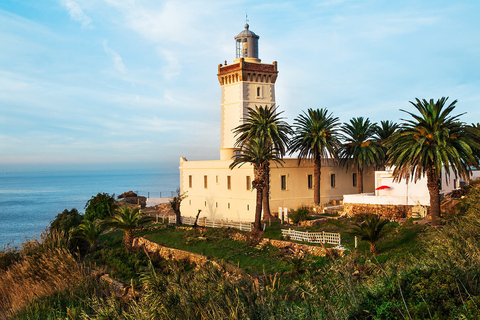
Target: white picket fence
[
  {"x": 212, "y": 223},
  {"x": 314, "y": 237}
]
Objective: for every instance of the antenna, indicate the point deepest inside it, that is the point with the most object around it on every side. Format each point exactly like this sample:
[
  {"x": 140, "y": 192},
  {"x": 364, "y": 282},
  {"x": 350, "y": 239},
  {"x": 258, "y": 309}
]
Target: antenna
[{"x": 246, "y": 16}]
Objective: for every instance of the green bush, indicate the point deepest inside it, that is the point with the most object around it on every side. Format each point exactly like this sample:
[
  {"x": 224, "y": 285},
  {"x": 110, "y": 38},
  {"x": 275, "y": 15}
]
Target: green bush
[
  {"x": 301, "y": 214},
  {"x": 100, "y": 206},
  {"x": 66, "y": 220}
]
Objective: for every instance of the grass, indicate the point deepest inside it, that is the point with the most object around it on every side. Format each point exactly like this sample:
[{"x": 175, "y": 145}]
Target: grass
[{"x": 216, "y": 245}]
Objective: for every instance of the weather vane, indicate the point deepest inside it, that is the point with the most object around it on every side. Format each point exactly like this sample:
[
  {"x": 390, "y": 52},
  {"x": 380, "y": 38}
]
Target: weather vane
[{"x": 246, "y": 16}]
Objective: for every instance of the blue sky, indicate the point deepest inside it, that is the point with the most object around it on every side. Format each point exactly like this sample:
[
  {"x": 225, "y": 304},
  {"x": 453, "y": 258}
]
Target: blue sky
[{"x": 118, "y": 83}]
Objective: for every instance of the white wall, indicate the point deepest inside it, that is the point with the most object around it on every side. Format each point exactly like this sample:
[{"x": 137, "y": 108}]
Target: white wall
[{"x": 400, "y": 193}]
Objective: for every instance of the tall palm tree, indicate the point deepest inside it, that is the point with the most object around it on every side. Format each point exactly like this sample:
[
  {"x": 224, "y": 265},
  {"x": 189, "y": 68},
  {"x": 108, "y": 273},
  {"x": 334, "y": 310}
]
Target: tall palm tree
[
  {"x": 383, "y": 131},
  {"x": 258, "y": 153},
  {"x": 360, "y": 149},
  {"x": 266, "y": 123},
  {"x": 371, "y": 230},
  {"x": 432, "y": 141},
  {"x": 315, "y": 136},
  {"x": 128, "y": 220},
  {"x": 89, "y": 231}
]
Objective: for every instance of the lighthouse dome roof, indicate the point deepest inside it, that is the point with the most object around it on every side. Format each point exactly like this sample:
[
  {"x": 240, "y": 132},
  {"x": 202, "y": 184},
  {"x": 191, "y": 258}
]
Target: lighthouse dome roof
[{"x": 246, "y": 33}]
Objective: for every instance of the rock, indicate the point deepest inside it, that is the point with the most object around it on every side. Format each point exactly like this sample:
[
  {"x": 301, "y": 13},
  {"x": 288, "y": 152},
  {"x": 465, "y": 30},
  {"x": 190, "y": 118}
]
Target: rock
[{"x": 128, "y": 194}]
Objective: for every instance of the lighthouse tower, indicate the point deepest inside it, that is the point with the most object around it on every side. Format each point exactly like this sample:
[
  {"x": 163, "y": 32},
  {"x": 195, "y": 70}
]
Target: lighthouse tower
[{"x": 244, "y": 83}]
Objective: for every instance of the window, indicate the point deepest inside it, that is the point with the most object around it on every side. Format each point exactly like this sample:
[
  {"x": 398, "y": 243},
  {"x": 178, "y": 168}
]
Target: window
[
  {"x": 354, "y": 176},
  {"x": 205, "y": 184},
  {"x": 283, "y": 182},
  {"x": 190, "y": 181},
  {"x": 229, "y": 182},
  {"x": 248, "y": 207},
  {"x": 249, "y": 183},
  {"x": 216, "y": 179},
  {"x": 228, "y": 205},
  {"x": 190, "y": 202},
  {"x": 216, "y": 204},
  {"x": 310, "y": 181},
  {"x": 259, "y": 92},
  {"x": 205, "y": 203},
  {"x": 332, "y": 180}
]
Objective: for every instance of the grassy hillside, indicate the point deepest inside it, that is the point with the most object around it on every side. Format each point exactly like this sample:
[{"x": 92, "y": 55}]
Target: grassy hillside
[{"x": 420, "y": 273}]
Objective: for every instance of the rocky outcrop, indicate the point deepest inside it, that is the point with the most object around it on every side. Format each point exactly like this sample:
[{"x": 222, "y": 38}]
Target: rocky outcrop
[
  {"x": 128, "y": 194},
  {"x": 395, "y": 212}
]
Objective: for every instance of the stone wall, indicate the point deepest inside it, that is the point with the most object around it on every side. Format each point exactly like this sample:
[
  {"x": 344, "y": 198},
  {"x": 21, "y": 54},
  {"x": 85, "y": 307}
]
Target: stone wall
[
  {"x": 177, "y": 254},
  {"x": 169, "y": 253},
  {"x": 385, "y": 211},
  {"x": 313, "y": 250}
]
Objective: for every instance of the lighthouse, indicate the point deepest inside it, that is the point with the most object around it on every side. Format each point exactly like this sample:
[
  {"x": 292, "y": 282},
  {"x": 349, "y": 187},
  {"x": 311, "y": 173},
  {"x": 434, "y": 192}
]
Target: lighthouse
[{"x": 245, "y": 83}]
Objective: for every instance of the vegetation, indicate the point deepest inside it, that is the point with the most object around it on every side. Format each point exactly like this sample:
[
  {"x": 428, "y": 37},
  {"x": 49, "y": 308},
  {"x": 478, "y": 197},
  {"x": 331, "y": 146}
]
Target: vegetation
[
  {"x": 316, "y": 136},
  {"x": 259, "y": 153},
  {"x": 383, "y": 131},
  {"x": 128, "y": 220},
  {"x": 66, "y": 222},
  {"x": 432, "y": 142},
  {"x": 300, "y": 214},
  {"x": 175, "y": 204},
  {"x": 360, "y": 149},
  {"x": 420, "y": 273},
  {"x": 89, "y": 231},
  {"x": 100, "y": 207},
  {"x": 371, "y": 230},
  {"x": 264, "y": 123}
]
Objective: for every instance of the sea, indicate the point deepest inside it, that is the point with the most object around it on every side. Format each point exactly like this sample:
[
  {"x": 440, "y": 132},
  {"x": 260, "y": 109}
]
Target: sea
[{"x": 30, "y": 200}]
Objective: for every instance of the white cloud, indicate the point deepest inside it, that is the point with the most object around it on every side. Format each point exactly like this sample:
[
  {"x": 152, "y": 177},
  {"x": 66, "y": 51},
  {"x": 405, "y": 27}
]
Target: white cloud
[
  {"x": 76, "y": 13},
  {"x": 117, "y": 59}
]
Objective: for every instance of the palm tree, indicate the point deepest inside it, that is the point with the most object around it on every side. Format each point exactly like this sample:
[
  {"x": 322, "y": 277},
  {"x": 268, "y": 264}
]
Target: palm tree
[
  {"x": 259, "y": 154},
  {"x": 360, "y": 148},
  {"x": 315, "y": 136},
  {"x": 266, "y": 123},
  {"x": 89, "y": 231},
  {"x": 431, "y": 142},
  {"x": 371, "y": 230},
  {"x": 128, "y": 220},
  {"x": 382, "y": 132}
]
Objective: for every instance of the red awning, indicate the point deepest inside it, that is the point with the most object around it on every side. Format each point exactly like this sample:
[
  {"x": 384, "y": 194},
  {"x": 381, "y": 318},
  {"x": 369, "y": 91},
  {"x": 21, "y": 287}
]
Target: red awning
[{"x": 382, "y": 188}]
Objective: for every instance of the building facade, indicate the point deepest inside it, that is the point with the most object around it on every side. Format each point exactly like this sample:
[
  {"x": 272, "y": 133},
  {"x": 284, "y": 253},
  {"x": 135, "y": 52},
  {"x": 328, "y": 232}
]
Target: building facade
[{"x": 222, "y": 193}]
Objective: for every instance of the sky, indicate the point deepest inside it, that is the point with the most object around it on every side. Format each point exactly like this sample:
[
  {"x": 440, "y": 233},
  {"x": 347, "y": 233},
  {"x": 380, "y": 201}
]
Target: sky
[{"x": 101, "y": 84}]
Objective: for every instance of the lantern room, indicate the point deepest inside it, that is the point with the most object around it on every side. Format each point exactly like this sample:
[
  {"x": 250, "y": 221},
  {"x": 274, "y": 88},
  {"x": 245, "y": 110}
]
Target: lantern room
[{"x": 247, "y": 45}]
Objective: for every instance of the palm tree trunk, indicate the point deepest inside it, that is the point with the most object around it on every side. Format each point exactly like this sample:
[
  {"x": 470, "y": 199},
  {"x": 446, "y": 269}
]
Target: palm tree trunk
[
  {"x": 257, "y": 225},
  {"x": 128, "y": 238},
  {"x": 266, "y": 195},
  {"x": 259, "y": 184},
  {"x": 360, "y": 180},
  {"x": 373, "y": 249},
  {"x": 434, "y": 191},
  {"x": 316, "y": 179}
]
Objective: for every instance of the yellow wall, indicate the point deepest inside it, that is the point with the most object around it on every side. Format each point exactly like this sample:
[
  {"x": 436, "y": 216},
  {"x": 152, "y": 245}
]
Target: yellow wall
[{"x": 214, "y": 201}]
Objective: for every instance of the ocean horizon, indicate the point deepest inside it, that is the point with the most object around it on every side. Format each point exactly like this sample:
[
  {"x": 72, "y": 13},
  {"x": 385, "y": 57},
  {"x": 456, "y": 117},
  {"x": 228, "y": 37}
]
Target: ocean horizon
[{"x": 30, "y": 200}]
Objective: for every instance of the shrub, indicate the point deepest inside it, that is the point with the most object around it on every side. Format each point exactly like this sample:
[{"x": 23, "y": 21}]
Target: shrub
[
  {"x": 301, "y": 214},
  {"x": 99, "y": 207},
  {"x": 66, "y": 220},
  {"x": 64, "y": 223}
]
